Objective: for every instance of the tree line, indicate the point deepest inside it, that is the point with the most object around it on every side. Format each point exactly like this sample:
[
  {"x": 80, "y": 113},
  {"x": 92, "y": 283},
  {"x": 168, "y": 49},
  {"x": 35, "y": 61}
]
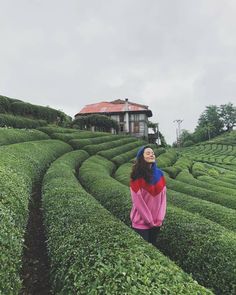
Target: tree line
[{"x": 213, "y": 121}]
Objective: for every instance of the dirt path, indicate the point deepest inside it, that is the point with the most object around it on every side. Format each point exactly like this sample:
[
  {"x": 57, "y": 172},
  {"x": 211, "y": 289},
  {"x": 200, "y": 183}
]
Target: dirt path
[{"x": 35, "y": 270}]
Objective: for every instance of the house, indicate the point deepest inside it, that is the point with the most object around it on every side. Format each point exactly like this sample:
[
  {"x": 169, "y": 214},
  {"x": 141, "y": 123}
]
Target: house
[{"x": 131, "y": 117}]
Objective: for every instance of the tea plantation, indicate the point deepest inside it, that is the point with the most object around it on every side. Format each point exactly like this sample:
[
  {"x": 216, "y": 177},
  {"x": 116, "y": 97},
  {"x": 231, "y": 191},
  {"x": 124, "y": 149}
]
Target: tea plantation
[{"x": 82, "y": 180}]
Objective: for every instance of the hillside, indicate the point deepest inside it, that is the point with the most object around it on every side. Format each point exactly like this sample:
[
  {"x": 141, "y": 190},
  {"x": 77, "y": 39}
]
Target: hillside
[{"x": 79, "y": 179}]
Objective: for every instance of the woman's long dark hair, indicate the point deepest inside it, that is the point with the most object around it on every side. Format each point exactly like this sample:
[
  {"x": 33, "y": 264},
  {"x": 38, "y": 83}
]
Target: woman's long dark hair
[{"x": 141, "y": 169}]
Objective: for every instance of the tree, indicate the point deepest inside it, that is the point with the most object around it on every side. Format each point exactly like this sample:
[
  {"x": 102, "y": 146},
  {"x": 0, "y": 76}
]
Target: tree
[
  {"x": 155, "y": 128},
  {"x": 186, "y": 138},
  {"x": 210, "y": 124},
  {"x": 228, "y": 115},
  {"x": 100, "y": 122}
]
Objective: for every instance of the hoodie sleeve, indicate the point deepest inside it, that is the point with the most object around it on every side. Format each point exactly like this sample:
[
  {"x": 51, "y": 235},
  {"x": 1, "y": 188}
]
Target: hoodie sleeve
[{"x": 139, "y": 203}]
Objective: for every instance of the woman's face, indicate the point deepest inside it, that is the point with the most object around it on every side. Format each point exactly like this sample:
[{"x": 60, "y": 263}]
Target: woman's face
[{"x": 149, "y": 155}]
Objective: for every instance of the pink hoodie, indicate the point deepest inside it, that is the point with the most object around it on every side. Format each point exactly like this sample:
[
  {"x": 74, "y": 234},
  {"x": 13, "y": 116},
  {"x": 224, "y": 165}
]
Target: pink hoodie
[{"x": 149, "y": 203}]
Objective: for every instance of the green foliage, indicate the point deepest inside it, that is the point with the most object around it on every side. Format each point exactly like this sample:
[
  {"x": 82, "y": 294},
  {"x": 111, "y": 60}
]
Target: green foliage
[
  {"x": 5, "y": 104},
  {"x": 10, "y": 135},
  {"x": 19, "y": 108},
  {"x": 126, "y": 147},
  {"x": 215, "y": 212},
  {"x": 228, "y": 115},
  {"x": 167, "y": 159},
  {"x": 77, "y": 135},
  {"x": 200, "y": 246},
  {"x": 186, "y": 177},
  {"x": 101, "y": 122},
  {"x": 202, "y": 193},
  {"x": 50, "y": 129},
  {"x": 20, "y": 122},
  {"x": 93, "y": 149},
  {"x": 211, "y": 123},
  {"x": 21, "y": 165},
  {"x": 80, "y": 143},
  {"x": 90, "y": 256}
]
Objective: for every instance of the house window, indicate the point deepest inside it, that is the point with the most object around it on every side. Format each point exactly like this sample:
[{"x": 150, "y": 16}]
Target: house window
[
  {"x": 122, "y": 117},
  {"x": 136, "y": 117}
]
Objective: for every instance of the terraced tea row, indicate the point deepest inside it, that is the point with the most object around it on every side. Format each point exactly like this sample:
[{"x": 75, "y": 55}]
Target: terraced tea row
[
  {"x": 201, "y": 247},
  {"x": 21, "y": 166},
  {"x": 92, "y": 252}
]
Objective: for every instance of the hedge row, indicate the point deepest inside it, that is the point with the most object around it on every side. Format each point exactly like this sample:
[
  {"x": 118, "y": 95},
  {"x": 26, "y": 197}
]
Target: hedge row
[
  {"x": 90, "y": 256},
  {"x": 92, "y": 149},
  {"x": 21, "y": 166},
  {"x": 199, "y": 169},
  {"x": 128, "y": 156},
  {"x": 80, "y": 143},
  {"x": 10, "y": 135},
  {"x": 212, "y": 180},
  {"x": 217, "y": 213},
  {"x": 167, "y": 159},
  {"x": 201, "y": 247},
  {"x": 186, "y": 177},
  {"x": 77, "y": 135},
  {"x": 113, "y": 152},
  {"x": 50, "y": 129},
  {"x": 20, "y": 122},
  {"x": 21, "y": 108},
  {"x": 202, "y": 193},
  {"x": 179, "y": 165}
]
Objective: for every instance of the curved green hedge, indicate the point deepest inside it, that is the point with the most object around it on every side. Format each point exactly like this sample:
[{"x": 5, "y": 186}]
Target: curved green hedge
[
  {"x": 7, "y": 120},
  {"x": 217, "y": 213},
  {"x": 77, "y": 135},
  {"x": 93, "y": 149},
  {"x": 126, "y": 147},
  {"x": 202, "y": 193},
  {"x": 167, "y": 159},
  {"x": 186, "y": 177},
  {"x": 50, "y": 129},
  {"x": 92, "y": 252},
  {"x": 21, "y": 166},
  {"x": 80, "y": 143},
  {"x": 184, "y": 235},
  {"x": 10, "y": 135}
]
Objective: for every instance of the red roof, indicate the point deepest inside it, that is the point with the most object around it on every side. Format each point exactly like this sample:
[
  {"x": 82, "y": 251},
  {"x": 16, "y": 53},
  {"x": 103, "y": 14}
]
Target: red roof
[{"x": 117, "y": 106}]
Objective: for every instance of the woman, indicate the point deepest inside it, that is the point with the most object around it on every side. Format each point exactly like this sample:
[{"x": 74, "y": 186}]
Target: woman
[{"x": 148, "y": 193}]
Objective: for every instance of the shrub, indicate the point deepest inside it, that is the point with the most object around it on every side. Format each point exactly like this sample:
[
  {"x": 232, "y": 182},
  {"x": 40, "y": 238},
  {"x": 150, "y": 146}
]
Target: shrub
[
  {"x": 201, "y": 247},
  {"x": 90, "y": 256}
]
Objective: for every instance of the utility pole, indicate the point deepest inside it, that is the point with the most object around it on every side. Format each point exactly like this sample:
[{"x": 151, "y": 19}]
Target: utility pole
[
  {"x": 158, "y": 135},
  {"x": 178, "y": 131}
]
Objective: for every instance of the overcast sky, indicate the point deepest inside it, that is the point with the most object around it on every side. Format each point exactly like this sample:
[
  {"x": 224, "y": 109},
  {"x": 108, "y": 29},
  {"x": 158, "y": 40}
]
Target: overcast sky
[{"x": 176, "y": 56}]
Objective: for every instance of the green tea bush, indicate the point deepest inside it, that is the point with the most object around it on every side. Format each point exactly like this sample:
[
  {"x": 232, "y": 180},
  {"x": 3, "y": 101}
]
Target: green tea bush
[
  {"x": 5, "y": 104},
  {"x": 186, "y": 177},
  {"x": 93, "y": 149},
  {"x": 10, "y": 135},
  {"x": 209, "y": 179},
  {"x": 80, "y": 143},
  {"x": 90, "y": 256},
  {"x": 114, "y": 152},
  {"x": 7, "y": 120},
  {"x": 50, "y": 129},
  {"x": 200, "y": 246},
  {"x": 172, "y": 171},
  {"x": 21, "y": 166},
  {"x": 217, "y": 213},
  {"x": 77, "y": 135},
  {"x": 202, "y": 193},
  {"x": 167, "y": 159},
  {"x": 128, "y": 156}
]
